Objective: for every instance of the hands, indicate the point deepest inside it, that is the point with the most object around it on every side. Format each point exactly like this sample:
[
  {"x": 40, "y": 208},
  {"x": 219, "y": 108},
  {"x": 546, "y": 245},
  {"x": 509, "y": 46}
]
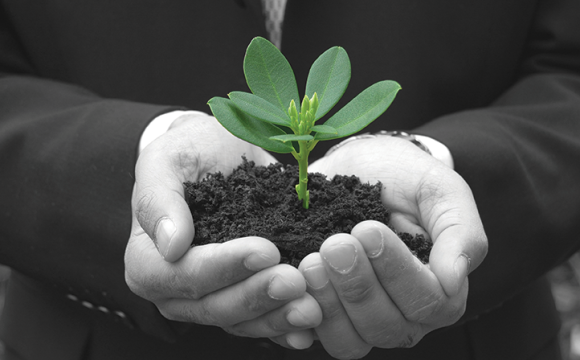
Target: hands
[
  {"x": 369, "y": 287},
  {"x": 237, "y": 285},
  {"x": 372, "y": 290}
]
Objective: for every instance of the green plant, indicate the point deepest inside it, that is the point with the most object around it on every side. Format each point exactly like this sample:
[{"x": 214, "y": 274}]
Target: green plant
[{"x": 272, "y": 117}]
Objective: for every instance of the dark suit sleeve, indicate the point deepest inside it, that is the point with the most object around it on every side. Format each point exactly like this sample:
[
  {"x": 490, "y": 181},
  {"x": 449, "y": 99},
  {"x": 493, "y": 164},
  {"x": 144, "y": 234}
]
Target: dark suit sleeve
[
  {"x": 67, "y": 159},
  {"x": 521, "y": 157}
]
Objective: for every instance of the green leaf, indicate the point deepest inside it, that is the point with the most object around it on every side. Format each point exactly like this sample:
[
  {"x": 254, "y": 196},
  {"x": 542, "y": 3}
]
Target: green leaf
[
  {"x": 292, "y": 137},
  {"x": 362, "y": 110},
  {"x": 259, "y": 108},
  {"x": 269, "y": 74},
  {"x": 328, "y": 77},
  {"x": 247, "y": 127},
  {"x": 324, "y": 129}
]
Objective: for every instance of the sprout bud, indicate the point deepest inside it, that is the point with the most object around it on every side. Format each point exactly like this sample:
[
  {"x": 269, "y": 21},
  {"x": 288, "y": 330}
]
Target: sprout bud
[
  {"x": 314, "y": 105},
  {"x": 305, "y": 105}
]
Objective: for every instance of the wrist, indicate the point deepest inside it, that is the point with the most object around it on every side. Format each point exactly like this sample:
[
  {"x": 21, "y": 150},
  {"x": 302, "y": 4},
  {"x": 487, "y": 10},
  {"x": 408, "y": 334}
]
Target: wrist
[{"x": 431, "y": 146}]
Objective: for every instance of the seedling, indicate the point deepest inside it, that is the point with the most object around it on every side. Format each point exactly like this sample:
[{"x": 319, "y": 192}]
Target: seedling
[{"x": 273, "y": 118}]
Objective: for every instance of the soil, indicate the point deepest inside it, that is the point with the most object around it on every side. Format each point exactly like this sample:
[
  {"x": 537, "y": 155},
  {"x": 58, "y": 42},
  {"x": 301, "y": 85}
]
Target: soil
[{"x": 262, "y": 201}]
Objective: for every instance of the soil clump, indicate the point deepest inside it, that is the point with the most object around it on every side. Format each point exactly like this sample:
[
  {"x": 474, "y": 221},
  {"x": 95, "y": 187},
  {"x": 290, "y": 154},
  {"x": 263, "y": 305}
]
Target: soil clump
[{"x": 262, "y": 201}]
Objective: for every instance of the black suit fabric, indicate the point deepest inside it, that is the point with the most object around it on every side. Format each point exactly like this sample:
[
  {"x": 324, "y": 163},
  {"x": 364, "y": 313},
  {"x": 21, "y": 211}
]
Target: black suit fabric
[{"x": 498, "y": 82}]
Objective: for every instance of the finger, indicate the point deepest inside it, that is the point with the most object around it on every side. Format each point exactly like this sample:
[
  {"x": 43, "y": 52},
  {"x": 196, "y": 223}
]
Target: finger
[
  {"x": 396, "y": 267},
  {"x": 336, "y": 332},
  {"x": 302, "y": 313},
  {"x": 450, "y": 215},
  {"x": 455, "y": 253},
  {"x": 406, "y": 223},
  {"x": 193, "y": 147},
  {"x": 376, "y": 318},
  {"x": 204, "y": 269},
  {"x": 299, "y": 340},
  {"x": 158, "y": 202},
  {"x": 264, "y": 291}
]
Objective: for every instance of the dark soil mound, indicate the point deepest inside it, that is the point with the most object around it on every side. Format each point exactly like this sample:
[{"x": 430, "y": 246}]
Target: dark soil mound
[{"x": 262, "y": 201}]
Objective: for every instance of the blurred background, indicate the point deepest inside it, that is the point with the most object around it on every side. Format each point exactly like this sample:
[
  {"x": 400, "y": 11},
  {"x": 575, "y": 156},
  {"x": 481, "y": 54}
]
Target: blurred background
[
  {"x": 4, "y": 275},
  {"x": 565, "y": 287}
]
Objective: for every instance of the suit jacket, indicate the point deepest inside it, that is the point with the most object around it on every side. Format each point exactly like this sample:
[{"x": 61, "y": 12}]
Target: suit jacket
[{"x": 498, "y": 82}]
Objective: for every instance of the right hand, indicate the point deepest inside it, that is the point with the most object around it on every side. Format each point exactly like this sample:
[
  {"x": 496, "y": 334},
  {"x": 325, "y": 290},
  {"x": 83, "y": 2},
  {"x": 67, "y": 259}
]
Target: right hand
[
  {"x": 238, "y": 285},
  {"x": 372, "y": 290}
]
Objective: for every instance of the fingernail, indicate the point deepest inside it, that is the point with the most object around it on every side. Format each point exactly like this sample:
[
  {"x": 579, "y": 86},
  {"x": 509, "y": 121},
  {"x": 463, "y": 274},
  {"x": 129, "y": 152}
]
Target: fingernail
[
  {"x": 461, "y": 267},
  {"x": 281, "y": 289},
  {"x": 163, "y": 235},
  {"x": 258, "y": 261},
  {"x": 298, "y": 319},
  {"x": 297, "y": 342},
  {"x": 316, "y": 276},
  {"x": 340, "y": 257},
  {"x": 372, "y": 241}
]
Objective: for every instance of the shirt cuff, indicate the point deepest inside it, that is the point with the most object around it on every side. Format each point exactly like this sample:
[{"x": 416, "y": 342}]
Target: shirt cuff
[
  {"x": 161, "y": 124},
  {"x": 437, "y": 149}
]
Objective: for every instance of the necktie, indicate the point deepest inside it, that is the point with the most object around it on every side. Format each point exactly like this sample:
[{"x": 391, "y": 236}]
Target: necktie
[{"x": 274, "y": 12}]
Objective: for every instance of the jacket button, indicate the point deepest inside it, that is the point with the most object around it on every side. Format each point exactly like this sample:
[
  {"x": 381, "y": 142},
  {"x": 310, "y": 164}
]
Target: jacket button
[
  {"x": 88, "y": 305},
  {"x": 124, "y": 319}
]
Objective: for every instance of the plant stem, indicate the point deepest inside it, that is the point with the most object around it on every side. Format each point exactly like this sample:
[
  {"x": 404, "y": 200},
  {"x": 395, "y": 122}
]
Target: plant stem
[{"x": 302, "y": 186}]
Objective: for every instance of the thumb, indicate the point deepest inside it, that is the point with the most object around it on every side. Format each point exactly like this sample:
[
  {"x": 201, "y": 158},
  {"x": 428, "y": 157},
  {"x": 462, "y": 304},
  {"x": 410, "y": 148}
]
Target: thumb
[
  {"x": 458, "y": 248},
  {"x": 452, "y": 259},
  {"x": 159, "y": 204}
]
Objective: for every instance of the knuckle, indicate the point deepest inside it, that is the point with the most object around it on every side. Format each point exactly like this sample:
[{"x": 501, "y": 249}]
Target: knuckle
[
  {"x": 276, "y": 324},
  {"x": 197, "y": 313},
  {"x": 482, "y": 245},
  {"x": 140, "y": 287},
  {"x": 168, "y": 314},
  {"x": 254, "y": 304},
  {"x": 207, "y": 256},
  {"x": 453, "y": 312},
  {"x": 202, "y": 314},
  {"x": 237, "y": 330},
  {"x": 409, "y": 341},
  {"x": 331, "y": 310},
  {"x": 143, "y": 206},
  {"x": 419, "y": 312},
  {"x": 396, "y": 335},
  {"x": 181, "y": 289},
  {"x": 132, "y": 284},
  {"x": 356, "y": 290},
  {"x": 230, "y": 330},
  {"x": 385, "y": 337}
]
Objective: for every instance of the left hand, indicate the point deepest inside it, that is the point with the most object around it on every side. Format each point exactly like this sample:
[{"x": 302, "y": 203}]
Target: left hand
[
  {"x": 237, "y": 285},
  {"x": 373, "y": 292}
]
